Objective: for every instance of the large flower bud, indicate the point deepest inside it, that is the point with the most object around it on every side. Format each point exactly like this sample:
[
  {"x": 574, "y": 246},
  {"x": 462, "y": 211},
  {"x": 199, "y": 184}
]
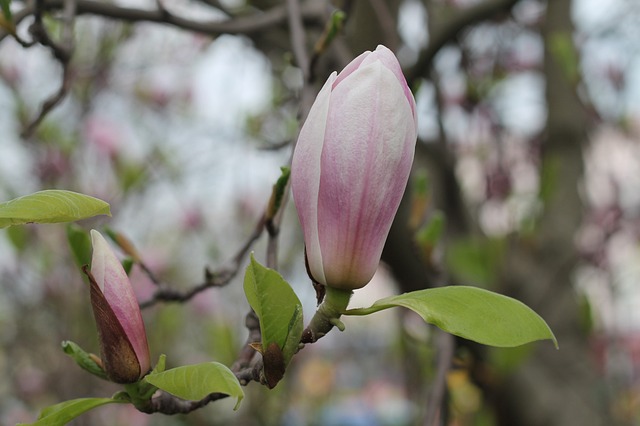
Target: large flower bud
[
  {"x": 123, "y": 340},
  {"x": 350, "y": 168}
]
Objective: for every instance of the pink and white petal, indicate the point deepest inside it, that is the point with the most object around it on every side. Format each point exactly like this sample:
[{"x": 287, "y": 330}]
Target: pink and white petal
[
  {"x": 364, "y": 146},
  {"x": 305, "y": 175}
]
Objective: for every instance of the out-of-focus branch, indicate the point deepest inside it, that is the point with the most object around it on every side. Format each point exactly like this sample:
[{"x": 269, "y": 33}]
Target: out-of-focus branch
[
  {"x": 297, "y": 37},
  {"x": 256, "y": 22},
  {"x": 443, "y": 30},
  {"x": 541, "y": 271},
  {"x": 217, "y": 278},
  {"x": 387, "y": 23},
  {"x": 61, "y": 51},
  {"x": 435, "y": 403}
]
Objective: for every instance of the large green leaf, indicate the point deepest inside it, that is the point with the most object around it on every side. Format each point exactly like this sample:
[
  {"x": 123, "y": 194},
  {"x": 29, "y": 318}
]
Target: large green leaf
[
  {"x": 277, "y": 307},
  {"x": 63, "y": 413},
  {"x": 473, "y": 313},
  {"x": 280, "y": 313},
  {"x": 194, "y": 382},
  {"x": 51, "y": 206}
]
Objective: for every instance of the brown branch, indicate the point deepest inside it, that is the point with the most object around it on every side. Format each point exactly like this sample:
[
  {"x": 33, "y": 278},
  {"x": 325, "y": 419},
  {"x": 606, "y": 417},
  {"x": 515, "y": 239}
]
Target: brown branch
[
  {"x": 449, "y": 29},
  {"x": 435, "y": 403},
  {"x": 245, "y": 25},
  {"x": 297, "y": 37},
  {"x": 217, "y": 278},
  {"x": 387, "y": 23},
  {"x": 62, "y": 52}
]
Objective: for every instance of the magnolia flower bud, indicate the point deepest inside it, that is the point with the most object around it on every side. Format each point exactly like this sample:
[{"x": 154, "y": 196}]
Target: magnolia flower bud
[
  {"x": 123, "y": 340},
  {"x": 350, "y": 168}
]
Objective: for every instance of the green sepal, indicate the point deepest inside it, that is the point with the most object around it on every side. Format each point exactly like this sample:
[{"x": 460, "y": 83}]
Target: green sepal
[{"x": 141, "y": 392}]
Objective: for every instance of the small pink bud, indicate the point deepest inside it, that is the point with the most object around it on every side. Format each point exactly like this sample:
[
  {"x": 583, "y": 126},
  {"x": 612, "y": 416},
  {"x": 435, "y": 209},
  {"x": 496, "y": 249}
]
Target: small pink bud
[
  {"x": 123, "y": 340},
  {"x": 350, "y": 168}
]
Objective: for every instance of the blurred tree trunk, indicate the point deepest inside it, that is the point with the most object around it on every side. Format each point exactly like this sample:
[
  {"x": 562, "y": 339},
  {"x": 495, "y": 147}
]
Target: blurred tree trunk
[
  {"x": 555, "y": 387},
  {"x": 551, "y": 387}
]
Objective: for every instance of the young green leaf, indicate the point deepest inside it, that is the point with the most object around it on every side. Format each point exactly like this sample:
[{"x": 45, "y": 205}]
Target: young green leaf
[
  {"x": 430, "y": 233},
  {"x": 277, "y": 307},
  {"x": 83, "y": 359},
  {"x": 279, "y": 311},
  {"x": 473, "y": 313},
  {"x": 5, "y": 6},
  {"x": 62, "y": 413},
  {"x": 51, "y": 206},
  {"x": 160, "y": 366},
  {"x": 294, "y": 333},
  {"x": 6, "y": 18},
  {"x": 194, "y": 382},
  {"x": 278, "y": 192},
  {"x": 80, "y": 244}
]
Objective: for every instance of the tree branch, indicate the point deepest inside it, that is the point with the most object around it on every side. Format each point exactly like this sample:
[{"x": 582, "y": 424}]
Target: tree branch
[
  {"x": 449, "y": 29},
  {"x": 217, "y": 278},
  {"x": 62, "y": 52},
  {"x": 297, "y": 37},
  {"x": 435, "y": 403},
  {"x": 245, "y": 25}
]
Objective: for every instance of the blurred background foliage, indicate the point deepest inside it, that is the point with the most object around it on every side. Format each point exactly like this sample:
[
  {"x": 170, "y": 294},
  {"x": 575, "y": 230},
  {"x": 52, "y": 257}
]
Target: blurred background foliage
[{"x": 526, "y": 182}]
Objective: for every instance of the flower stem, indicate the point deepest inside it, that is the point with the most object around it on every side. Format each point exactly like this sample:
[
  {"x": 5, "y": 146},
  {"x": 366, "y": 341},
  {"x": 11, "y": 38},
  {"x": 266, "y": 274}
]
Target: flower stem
[{"x": 328, "y": 314}]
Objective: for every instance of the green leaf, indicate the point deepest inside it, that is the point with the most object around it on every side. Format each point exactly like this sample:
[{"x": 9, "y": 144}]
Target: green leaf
[
  {"x": 430, "y": 233},
  {"x": 160, "y": 366},
  {"x": 277, "y": 306},
  {"x": 278, "y": 192},
  {"x": 19, "y": 237},
  {"x": 127, "y": 265},
  {"x": 477, "y": 261},
  {"x": 51, "y": 206},
  {"x": 194, "y": 382},
  {"x": 294, "y": 333},
  {"x": 80, "y": 244},
  {"x": 473, "y": 313},
  {"x": 83, "y": 359},
  {"x": 5, "y": 6},
  {"x": 63, "y": 413}
]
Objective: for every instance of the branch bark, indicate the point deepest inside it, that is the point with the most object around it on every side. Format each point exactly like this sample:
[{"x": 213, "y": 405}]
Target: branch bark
[
  {"x": 444, "y": 27},
  {"x": 255, "y": 23},
  {"x": 555, "y": 387}
]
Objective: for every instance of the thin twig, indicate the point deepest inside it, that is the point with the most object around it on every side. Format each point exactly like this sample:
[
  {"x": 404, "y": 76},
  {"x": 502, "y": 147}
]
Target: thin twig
[
  {"x": 435, "y": 402},
  {"x": 387, "y": 23},
  {"x": 217, "y": 278},
  {"x": 62, "y": 52},
  {"x": 449, "y": 30},
  {"x": 297, "y": 37},
  {"x": 245, "y": 24}
]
